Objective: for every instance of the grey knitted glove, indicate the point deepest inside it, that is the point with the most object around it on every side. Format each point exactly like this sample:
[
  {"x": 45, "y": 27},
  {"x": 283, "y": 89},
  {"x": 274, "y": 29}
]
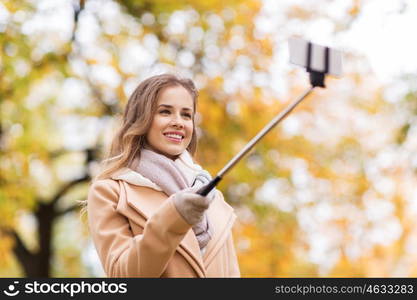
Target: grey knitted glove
[{"x": 190, "y": 205}]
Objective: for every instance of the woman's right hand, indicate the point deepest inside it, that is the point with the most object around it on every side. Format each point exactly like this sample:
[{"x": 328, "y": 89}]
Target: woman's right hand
[{"x": 190, "y": 205}]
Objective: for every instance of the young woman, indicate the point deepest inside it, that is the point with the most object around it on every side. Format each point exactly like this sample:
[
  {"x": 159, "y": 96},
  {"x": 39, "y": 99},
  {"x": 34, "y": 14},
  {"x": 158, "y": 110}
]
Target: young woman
[{"x": 144, "y": 215}]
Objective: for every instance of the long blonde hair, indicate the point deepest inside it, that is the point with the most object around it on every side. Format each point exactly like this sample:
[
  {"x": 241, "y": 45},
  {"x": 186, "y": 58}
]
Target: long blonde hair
[{"x": 137, "y": 119}]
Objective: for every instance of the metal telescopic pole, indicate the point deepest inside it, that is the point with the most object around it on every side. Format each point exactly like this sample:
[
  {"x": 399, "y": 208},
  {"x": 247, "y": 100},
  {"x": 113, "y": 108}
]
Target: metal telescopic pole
[
  {"x": 207, "y": 188},
  {"x": 316, "y": 80}
]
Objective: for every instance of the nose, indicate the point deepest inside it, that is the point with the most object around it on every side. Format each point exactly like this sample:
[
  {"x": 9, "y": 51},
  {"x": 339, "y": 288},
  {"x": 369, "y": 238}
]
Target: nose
[{"x": 176, "y": 121}]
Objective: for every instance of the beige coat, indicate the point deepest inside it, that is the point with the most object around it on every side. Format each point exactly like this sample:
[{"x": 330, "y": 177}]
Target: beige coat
[{"x": 138, "y": 232}]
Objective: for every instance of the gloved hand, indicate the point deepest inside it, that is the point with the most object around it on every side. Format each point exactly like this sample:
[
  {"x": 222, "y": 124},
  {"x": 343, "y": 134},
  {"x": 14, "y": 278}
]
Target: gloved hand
[
  {"x": 190, "y": 205},
  {"x": 202, "y": 179}
]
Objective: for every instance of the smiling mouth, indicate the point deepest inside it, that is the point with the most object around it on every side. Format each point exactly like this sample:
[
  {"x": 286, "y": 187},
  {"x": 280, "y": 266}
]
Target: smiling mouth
[{"x": 174, "y": 137}]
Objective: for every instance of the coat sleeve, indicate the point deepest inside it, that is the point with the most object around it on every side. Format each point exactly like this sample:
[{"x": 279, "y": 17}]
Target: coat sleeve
[{"x": 121, "y": 253}]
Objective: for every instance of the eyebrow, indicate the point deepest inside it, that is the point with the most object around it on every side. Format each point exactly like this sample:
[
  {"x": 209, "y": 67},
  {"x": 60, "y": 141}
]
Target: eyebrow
[{"x": 170, "y": 106}]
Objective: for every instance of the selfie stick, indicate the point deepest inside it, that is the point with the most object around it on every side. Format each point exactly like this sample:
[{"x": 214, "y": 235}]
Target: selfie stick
[{"x": 316, "y": 80}]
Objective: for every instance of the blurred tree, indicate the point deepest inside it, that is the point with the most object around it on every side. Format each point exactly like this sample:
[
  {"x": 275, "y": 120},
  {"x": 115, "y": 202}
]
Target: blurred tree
[
  {"x": 28, "y": 139},
  {"x": 37, "y": 64},
  {"x": 326, "y": 193}
]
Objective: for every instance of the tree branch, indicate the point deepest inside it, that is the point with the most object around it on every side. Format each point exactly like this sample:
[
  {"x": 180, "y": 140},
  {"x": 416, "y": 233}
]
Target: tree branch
[
  {"x": 77, "y": 10},
  {"x": 67, "y": 187},
  {"x": 68, "y": 210},
  {"x": 20, "y": 250}
]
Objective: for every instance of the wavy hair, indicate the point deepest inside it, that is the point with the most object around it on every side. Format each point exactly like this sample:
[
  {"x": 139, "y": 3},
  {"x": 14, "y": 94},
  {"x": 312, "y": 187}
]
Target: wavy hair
[{"x": 137, "y": 119}]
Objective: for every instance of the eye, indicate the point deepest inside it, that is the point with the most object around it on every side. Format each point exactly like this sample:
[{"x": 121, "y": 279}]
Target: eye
[
  {"x": 187, "y": 115},
  {"x": 164, "y": 111}
]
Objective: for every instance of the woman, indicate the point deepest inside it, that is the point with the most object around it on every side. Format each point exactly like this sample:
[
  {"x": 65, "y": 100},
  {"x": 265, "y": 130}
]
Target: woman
[{"x": 144, "y": 215}]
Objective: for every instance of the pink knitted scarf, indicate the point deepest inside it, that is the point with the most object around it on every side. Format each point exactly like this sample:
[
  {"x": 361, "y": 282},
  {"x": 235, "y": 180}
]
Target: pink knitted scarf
[{"x": 167, "y": 174}]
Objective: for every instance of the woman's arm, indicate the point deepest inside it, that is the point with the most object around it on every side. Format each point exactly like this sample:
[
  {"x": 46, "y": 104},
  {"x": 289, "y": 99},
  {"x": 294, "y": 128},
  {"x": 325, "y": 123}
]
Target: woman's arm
[{"x": 121, "y": 253}]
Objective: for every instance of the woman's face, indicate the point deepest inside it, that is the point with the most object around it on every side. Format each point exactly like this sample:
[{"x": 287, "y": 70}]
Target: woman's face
[{"x": 172, "y": 125}]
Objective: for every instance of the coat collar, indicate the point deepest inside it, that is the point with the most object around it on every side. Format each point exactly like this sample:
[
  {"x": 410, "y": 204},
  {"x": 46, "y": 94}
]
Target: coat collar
[{"x": 220, "y": 214}]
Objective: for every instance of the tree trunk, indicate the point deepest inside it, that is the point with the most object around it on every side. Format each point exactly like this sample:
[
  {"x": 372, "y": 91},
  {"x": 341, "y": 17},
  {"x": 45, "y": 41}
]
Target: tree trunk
[{"x": 45, "y": 216}]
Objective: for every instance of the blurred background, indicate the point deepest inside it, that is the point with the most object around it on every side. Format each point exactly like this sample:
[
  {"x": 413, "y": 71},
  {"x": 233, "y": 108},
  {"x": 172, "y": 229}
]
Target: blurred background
[{"x": 332, "y": 191}]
